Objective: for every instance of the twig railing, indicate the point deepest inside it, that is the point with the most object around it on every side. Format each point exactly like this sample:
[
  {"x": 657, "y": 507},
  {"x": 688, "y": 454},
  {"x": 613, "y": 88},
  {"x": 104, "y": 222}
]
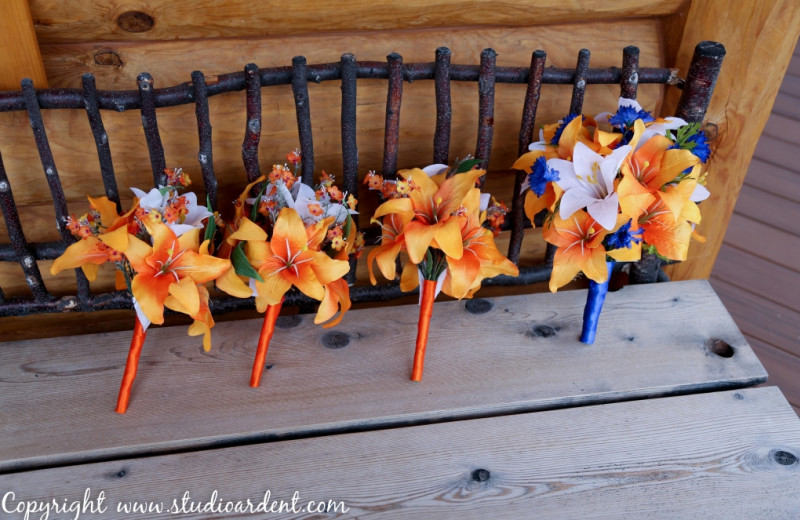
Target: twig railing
[{"x": 697, "y": 88}]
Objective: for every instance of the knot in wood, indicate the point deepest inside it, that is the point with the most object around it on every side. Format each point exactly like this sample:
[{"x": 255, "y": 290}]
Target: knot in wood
[
  {"x": 335, "y": 339},
  {"x": 478, "y": 306},
  {"x": 481, "y": 475}
]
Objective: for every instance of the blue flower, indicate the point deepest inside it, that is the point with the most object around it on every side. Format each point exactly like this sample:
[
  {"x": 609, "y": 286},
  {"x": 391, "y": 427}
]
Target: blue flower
[
  {"x": 561, "y": 127},
  {"x": 626, "y": 115},
  {"x": 701, "y": 148},
  {"x": 540, "y": 175},
  {"x": 623, "y": 237}
]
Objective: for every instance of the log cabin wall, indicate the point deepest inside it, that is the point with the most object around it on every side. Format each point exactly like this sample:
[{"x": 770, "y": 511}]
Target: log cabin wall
[{"x": 117, "y": 39}]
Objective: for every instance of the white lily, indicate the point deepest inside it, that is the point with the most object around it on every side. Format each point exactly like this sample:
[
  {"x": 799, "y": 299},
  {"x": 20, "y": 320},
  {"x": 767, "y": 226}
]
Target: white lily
[
  {"x": 588, "y": 182},
  {"x": 155, "y": 200}
]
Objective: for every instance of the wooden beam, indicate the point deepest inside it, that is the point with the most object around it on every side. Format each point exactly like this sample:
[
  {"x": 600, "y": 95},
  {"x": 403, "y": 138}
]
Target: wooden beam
[
  {"x": 60, "y": 21},
  {"x": 19, "y": 49},
  {"x": 760, "y": 38}
]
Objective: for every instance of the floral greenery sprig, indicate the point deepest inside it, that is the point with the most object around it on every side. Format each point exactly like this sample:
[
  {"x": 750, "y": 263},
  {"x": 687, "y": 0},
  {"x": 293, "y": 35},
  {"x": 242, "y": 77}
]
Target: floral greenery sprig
[{"x": 641, "y": 177}]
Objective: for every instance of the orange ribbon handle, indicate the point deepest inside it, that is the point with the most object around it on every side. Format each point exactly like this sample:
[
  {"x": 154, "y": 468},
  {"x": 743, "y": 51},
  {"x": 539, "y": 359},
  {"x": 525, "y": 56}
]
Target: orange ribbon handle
[
  {"x": 130, "y": 367},
  {"x": 425, "y": 312},
  {"x": 267, "y": 329}
]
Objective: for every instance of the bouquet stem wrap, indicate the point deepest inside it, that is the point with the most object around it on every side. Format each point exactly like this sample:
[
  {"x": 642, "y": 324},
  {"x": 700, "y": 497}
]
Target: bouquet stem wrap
[
  {"x": 267, "y": 329},
  {"x": 131, "y": 366},
  {"x": 594, "y": 305},
  {"x": 425, "y": 312}
]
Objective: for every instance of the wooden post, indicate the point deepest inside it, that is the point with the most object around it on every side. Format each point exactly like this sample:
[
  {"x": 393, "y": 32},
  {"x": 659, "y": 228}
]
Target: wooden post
[
  {"x": 759, "y": 38},
  {"x": 18, "y": 47}
]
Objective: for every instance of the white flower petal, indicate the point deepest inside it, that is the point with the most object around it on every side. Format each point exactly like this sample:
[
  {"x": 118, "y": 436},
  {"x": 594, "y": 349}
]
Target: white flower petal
[
  {"x": 485, "y": 199},
  {"x": 435, "y": 169},
  {"x": 605, "y": 211},
  {"x": 537, "y": 146},
  {"x": 140, "y": 315},
  {"x": 566, "y": 173},
  {"x": 574, "y": 200},
  {"x": 700, "y": 193},
  {"x": 627, "y": 102},
  {"x": 585, "y": 158},
  {"x": 610, "y": 166}
]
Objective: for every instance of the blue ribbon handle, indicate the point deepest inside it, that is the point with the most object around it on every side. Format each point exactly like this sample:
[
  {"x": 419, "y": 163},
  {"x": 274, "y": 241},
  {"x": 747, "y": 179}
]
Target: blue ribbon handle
[{"x": 594, "y": 304}]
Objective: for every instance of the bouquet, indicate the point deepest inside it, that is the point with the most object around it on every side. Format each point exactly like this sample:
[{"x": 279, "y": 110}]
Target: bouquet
[
  {"x": 611, "y": 194},
  {"x": 290, "y": 235},
  {"x": 157, "y": 250},
  {"x": 435, "y": 217}
]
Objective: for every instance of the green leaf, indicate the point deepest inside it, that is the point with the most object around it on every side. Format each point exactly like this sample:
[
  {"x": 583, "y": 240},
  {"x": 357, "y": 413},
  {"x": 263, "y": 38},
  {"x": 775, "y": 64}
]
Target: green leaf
[
  {"x": 211, "y": 227},
  {"x": 242, "y": 265},
  {"x": 348, "y": 225},
  {"x": 254, "y": 209},
  {"x": 466, "y": 165}
]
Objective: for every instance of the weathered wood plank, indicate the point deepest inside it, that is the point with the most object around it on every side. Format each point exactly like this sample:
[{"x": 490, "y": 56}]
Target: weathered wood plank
[
  {"x": 721, "y": 455},
  {"x": 760, "y": 38},
  {"x": 760, "y": 318},
  {"x": 19, "y": 47},
  {"x": 522, "y": 355},
  {"x": 77, "y": 21},
  {"x": 774, "y": 179},
  {"x": 756, "y": 274}
]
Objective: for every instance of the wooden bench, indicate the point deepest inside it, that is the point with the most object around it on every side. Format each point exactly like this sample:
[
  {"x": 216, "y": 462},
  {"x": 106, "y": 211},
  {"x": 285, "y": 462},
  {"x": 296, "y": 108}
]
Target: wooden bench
[{"x": 515, "y": 417}]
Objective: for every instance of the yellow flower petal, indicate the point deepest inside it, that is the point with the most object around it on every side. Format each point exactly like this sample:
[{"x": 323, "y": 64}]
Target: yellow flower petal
[
  {"x": 247, "y": 230},
  {"x": 185, "y": 292}
]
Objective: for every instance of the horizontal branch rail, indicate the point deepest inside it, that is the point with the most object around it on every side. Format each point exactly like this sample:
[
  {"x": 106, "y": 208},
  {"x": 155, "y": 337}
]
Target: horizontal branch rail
[{"x": 442, "y": 72}]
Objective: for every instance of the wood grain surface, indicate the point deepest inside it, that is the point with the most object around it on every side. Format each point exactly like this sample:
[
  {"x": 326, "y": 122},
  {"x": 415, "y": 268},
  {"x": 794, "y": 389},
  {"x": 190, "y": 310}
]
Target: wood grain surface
[
  {"x": 79, "y": 21},
  {"x": 760, "y": 38},
  {"x": 19, "y": 48},
  {"x": 724, "y": 455},
  {"x": 58, "y": 395}
]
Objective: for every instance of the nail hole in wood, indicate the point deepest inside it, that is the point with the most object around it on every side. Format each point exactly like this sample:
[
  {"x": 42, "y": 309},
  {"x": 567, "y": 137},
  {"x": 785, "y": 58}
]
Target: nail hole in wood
[
  {"x": 719, "y": 347},
  {"x": 135, "y": 21},
  {"x": 784, "y": 458},
  {"x": 335, "y": 339},
  {"x": 288, "y": 322},
  {"x": 478, "y": 306},
  {"x": 481, "y": 475}
]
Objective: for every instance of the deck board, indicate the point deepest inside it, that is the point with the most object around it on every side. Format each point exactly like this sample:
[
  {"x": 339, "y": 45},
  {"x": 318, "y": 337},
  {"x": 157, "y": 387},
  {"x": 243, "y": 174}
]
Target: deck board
[
  {"x": 522, "y": 355},
  {"x": 775, "y": 283},
  {"x": 720, "y": 455},
  {"x": 770, "y": 209},
  {"x": 757, "y": 273},
  {"x": 774, "y": 179}
]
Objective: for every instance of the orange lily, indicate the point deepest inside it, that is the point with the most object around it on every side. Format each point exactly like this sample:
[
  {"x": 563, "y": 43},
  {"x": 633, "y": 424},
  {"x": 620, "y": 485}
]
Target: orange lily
[
  {"x": 580, "y": 248},
  {"x": 391, "y": 245},
  {"x": 287, "y": 260},
  {"x": 428, "y": 209},
  {"x": 172, "y": 266},
  {"x": 670, "y": 236},
  {"x": 481, "y": 259},
  {"x": 90, "y": 251},
  {"x": 648, "y": 169}
]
